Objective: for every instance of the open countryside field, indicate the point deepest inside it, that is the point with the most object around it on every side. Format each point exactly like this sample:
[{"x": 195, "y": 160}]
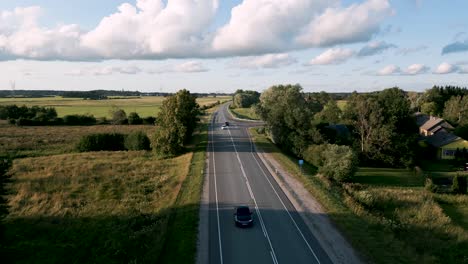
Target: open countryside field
[
  {"x": 100, "y": 207},
  {"x": 37, "y": 141},
  {"x": 388, "y": 216},
  {"x": 144, "y": 106}
]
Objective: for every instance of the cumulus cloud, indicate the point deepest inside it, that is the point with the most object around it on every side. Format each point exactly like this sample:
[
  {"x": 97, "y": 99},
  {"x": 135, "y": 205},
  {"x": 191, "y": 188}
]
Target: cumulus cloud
[
  {"x": 415, "y": 69},
  {"x": 374, "y": 48},
  {"x": 186, "y": 67},
  {"x": 446, "y": 68},
  {"x": 338, "y": 25},
  {"x": 406, "y": 51},
  {"x": 332, "y": 56},
  {"x": 265, "y": 61},
  {"x": 458, "y": 46},
  {"x": 389, "y": 70},
  {"x": 159, "y": 29}
]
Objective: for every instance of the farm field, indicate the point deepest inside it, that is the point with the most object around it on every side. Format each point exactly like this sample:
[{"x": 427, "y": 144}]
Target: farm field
[
  {"x": 387, "y": 215},
  {"x": 144, "y": 106}
]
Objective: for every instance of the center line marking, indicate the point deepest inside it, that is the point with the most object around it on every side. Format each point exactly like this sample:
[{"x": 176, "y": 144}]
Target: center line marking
[{"x": 265, "y": 232}]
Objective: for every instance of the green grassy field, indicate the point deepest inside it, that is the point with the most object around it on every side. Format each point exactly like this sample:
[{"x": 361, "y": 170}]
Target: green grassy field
[
  {"x": 100, "y": 207},
  {"x": 388, "y": 216},
  {"x": 244, "y": 113},
  {"x": 144, "y": 106}
]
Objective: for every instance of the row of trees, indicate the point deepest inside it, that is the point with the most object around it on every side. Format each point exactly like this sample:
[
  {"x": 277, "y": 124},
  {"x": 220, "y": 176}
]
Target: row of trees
[
  {"x": 244, "y": 99},
  {"x": 382, "y": 129}
]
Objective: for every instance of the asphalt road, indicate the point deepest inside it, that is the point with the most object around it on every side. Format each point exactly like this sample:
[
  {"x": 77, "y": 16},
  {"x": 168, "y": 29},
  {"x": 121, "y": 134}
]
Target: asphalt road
[{"x": 237, "y": 176}]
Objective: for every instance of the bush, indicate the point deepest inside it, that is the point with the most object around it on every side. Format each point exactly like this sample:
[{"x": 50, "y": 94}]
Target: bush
[
  {"x": 137, "y": 141},
  {"x": 459, "y": 184},
  {"x": 314, "y": 154},
  {"x": 339, "y": 163},
  {"x": 134, "y": 119},
  {"x": 150, "y": 120},
  {"x": 119, "y": 117},
  {"x": 104, "y": 141},
  {"x": 79, "y": 120},
  {"x": 430, "y": 186}
]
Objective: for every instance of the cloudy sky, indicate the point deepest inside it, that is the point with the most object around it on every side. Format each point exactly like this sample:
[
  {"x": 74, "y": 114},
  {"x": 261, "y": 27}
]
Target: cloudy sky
[{"x": 225, "y": 45}]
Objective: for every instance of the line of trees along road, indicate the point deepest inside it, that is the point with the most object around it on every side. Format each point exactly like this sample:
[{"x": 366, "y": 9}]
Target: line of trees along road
[
  {"x": 382, "y": 126},
  {"x": 382, "y": 129}
]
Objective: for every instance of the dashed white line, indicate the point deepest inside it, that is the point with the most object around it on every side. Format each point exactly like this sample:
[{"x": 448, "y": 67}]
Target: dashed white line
[{"x": 265, "y": 232}]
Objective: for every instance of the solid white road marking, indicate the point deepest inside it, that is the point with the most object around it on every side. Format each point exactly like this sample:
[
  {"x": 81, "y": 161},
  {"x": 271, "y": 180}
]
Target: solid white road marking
[
  {"x": 284, "y": 206},
  {"x": 216, "y": 194}
]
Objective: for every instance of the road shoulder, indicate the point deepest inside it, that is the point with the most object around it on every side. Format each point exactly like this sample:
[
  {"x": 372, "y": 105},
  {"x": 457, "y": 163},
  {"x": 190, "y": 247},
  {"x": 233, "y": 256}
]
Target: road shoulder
[{"x": 335, "y": 245}]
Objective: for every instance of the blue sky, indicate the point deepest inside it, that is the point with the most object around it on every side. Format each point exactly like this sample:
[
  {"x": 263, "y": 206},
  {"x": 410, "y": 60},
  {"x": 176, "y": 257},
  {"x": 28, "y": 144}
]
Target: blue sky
[{"x": 225, "y": 45}]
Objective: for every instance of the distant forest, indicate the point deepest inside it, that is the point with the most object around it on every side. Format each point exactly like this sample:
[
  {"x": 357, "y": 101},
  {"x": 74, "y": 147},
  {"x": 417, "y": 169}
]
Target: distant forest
[{"x": 93, "y": 95}]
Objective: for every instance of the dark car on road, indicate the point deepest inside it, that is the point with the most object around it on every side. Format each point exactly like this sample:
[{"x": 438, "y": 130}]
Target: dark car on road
[
  {"x": 226, "y": 123},
  {"x": 243, "y": 216}
]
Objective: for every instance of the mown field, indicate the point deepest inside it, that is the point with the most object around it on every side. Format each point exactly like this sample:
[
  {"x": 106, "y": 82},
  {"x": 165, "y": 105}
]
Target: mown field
[
  {"x": 387, "y": 215},
  {"x": 144, "y": 106},
  {"x": 99, "y": 207}
]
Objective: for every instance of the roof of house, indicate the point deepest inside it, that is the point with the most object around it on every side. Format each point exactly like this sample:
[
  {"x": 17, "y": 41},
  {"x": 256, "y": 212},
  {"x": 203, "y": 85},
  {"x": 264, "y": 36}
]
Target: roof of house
[
  {"x": 428, "y": 123},
  {"x": 442, "y": 138}
]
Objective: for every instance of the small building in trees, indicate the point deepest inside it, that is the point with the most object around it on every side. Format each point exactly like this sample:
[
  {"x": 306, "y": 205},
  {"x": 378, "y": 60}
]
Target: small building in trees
[
  {"x": 447, "y": 144},
  {"x": 436, "y": 132},
  {"x": 430, "y": 125}
]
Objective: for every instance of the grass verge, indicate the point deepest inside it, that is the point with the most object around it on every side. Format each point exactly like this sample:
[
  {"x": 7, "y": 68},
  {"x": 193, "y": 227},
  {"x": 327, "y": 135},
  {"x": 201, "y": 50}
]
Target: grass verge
[
  {"x": 244, "y": 113},
  {"x": 180, "y": 246},
  {"x": 389, "y": 221}
]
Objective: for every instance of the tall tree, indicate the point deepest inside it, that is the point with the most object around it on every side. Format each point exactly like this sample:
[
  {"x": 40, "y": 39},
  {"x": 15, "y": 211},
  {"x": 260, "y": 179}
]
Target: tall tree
[
  {"x": 385, "y": 128},
  {"x": 287, "y": 115},
  {"x": 176, "y": 123},
  {"x": 330, "y": 113},
  {"x": 456, "y": 110}
]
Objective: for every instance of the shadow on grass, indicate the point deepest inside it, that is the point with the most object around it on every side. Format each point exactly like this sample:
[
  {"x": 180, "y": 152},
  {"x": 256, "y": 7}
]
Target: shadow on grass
[{"x": 133, "y": 238}]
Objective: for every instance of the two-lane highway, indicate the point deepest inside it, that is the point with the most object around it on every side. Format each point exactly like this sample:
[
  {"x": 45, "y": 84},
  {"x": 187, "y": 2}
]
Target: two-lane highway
[{"x": 237, "y": 176}]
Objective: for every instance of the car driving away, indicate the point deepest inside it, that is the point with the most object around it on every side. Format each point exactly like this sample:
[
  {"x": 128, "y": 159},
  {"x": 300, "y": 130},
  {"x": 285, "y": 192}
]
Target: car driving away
[
  {"x": 224, "y": 127},
  {"x": 243, "y": 216}
]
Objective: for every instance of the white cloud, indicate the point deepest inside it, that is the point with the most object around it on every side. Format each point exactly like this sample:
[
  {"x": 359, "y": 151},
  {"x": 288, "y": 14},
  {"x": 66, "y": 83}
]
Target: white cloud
[
  {"x": 389, "y": 70},
  {"x": 415, "y": 69},
  {"x": 332, "y": 56},
  {"x": 265, "y": 61},
  {"x": 186, "y": 67},
  {"x": 159, "y": 29},
  {"x": 446, "y": 68},
  {"x": 355, "y": 23},
  {"x": 259, "y": 26},
  {"x": 374, "y": 48},
  {"x": 406, "y": 51},
  {"x": 190, "y": 66}
]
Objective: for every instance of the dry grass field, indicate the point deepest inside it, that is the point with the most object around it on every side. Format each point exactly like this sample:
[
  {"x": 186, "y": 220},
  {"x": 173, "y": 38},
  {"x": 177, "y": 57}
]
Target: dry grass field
[
  {"x": 36, "y": 141},
  {"x": 100, "y": 207}
]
